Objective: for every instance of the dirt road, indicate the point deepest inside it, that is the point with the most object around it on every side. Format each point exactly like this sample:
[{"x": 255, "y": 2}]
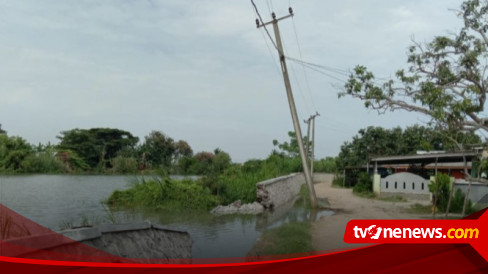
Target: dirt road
[{"x": 328, "y": 232}]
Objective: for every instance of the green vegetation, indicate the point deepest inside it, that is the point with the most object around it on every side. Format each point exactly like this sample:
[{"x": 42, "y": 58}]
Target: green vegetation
[
  {"x": 223, "y": 182},
  {"x": 238, "y": 182},
  {"x": 97, "y": 146},
  {"x": 443, "y": 192},
  {"x": 376, "y": 141},
  {"x": 13, "y": 151},
  {"x": 326, "y": 165},
  {"x": 287, "y": 239},
  {"x": 106, "y": 151},
  {"x": 115, "y": 151},
  {"x": 124, "y": 165},
  {"x": 338, "y": 180},
  {"x": 364, "y": 186},
  {"x": 222, "y": 185},
  {"x": 445, "y": 79},
  {"x": 164, "y": 193}
]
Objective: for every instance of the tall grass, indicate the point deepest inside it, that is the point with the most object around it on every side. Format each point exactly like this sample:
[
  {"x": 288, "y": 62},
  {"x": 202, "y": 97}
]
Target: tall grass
[
  {"x": 236, "y": 182},
  {"x": 164, "y": 193},
  {"x": 239, "y": 182}
]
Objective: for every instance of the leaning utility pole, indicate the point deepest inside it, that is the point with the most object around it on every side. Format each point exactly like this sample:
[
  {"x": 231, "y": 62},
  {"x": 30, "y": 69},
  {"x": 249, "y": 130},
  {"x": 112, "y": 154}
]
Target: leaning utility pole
[
  {"x": 291, "y": 101},
  {"x": 308, "y": 136},
  {"x": 312, "y": 158}
]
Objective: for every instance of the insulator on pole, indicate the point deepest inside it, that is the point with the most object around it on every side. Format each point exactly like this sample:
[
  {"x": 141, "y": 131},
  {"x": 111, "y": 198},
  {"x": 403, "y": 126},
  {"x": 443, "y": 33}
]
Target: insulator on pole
[
  {"x": 290, "y": 10},
  {"x": 257, "y": 23}
]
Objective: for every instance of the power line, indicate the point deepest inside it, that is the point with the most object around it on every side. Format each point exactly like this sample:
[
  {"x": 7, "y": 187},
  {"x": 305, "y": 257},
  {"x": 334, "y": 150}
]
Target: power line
[
  {"x": 310, "y": 65},
  {"x": 271, "y": 54},
  {"x": 328, "y": 68},
  {"x": 324, "y": 73},
  {"x": 307, "y": 106},
  {"x": 303, "y": 67},
  {"x": 269, "y": 8},
  {"x": 264, "y": 26}
]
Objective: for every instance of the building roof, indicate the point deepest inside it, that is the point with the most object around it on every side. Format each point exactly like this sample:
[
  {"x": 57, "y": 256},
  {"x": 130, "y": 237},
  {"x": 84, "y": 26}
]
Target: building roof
[
  {"x": 457, "y": 165},
  {"x": 425, "y": 159}
]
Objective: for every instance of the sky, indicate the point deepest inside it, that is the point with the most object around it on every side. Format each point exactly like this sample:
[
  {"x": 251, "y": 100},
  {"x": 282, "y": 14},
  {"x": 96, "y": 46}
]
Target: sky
[{"x": 201, "y": 71}]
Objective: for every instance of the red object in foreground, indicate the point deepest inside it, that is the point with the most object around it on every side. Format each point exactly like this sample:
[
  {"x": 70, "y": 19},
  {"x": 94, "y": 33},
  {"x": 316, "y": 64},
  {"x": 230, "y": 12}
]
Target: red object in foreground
[{"x": 23, "y": 256}]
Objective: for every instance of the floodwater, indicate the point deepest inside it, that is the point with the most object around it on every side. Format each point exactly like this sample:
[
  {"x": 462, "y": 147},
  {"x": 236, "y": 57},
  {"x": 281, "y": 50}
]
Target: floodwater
[{"x": 60, "y": 201}]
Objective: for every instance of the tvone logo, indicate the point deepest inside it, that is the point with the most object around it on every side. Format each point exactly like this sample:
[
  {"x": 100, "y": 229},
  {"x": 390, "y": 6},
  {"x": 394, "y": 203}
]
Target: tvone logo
[{"x": 372, "y": 232}]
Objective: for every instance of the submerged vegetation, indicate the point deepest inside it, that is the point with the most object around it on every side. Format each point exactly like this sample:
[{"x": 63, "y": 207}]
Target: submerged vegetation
[
  {"x": 289, "y": 238},
  {"x": 236, "y": 182},
  {"x": 223, "y": 182}
]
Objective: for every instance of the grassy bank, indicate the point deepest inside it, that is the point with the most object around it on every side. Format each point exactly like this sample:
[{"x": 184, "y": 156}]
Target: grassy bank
[
  {"x": 236, "y": 182},
  {"x": 239, "y": 181},
  {"x": 164, "y": 193}
]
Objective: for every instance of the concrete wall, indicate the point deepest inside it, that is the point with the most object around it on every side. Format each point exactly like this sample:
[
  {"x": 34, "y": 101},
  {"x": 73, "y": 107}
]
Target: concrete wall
[
  {"x": 278, "y": 191},
  {"x": 405, "y": 184},
  {"x": 478, "y": 193},
  {"x": 143, "y": 240},
  {"x": 137, "y": 240},
  {"x": 322, "y": 177}
]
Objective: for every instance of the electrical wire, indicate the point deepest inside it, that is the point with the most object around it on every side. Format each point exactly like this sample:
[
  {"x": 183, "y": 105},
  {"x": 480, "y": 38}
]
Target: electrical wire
[
  {"x": 325, "y": 73},
  {"x": 328, "y": 68},
  {"x": 269, "y": 8},
  {"x": 303, "y": 67},
  {"x": 307, "y": 64},
  {"x": 266, "y": 29}
]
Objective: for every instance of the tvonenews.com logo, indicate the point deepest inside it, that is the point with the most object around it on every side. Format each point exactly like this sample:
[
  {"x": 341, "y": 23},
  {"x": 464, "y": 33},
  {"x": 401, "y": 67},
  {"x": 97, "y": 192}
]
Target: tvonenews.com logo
[
  {"x": 465, "y": 231},
  {"x": 375, "y": 232}
]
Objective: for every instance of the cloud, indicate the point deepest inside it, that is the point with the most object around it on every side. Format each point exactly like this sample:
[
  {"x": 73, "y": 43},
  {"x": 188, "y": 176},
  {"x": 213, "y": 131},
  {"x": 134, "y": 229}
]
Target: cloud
[{"x": 198, "y": 70}]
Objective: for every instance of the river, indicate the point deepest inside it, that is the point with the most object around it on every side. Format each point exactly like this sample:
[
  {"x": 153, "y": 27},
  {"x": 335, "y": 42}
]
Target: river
[{"x": 59, "y": 201}]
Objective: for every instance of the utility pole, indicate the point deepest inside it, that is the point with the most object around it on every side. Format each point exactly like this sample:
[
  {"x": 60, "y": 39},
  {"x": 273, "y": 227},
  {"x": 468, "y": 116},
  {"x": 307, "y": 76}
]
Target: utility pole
[
  {"x": 291, "y": 102},
  {"x": 308, "y": 136},
  {"x": 313, "y": 143}
]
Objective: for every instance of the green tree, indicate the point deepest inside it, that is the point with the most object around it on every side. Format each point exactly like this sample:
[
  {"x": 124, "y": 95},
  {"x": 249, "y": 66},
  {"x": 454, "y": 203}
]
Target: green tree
[
  {"x": 43, "y": 160},
  {"x": 182, "y": 149},
  {"x": 203, "y": 163},
  {"x": 159, "y": 149},
  {"x": 97, "y": 146},
  {"x": 291, "y": 148},
  {"x": 376, "y": 141},
  {"x": 446, "y": 78},
  {"x": 327, "y": 164},
  {"x": 220, "y": 161},
  {"x": 13, "y": 150}
]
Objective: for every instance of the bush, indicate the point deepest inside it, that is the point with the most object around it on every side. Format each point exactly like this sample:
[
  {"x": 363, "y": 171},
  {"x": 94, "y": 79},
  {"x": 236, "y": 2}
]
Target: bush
[
  {"x": 458, "y": 202},
  {"x": 71, "y": 161},
  {"x": 164, "y": 193},
  {"x": 327, "y": 165},
  {"x": 338, "y": 180},
  {"x": 240, "y": 181},
  {"x": 124, "y": 165},
  {"x": 443, "y": 192},
  {"x": 42, "y": 162},
  {"x": 442, "y": 185},
  {"x": 365, "y": 184}
]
